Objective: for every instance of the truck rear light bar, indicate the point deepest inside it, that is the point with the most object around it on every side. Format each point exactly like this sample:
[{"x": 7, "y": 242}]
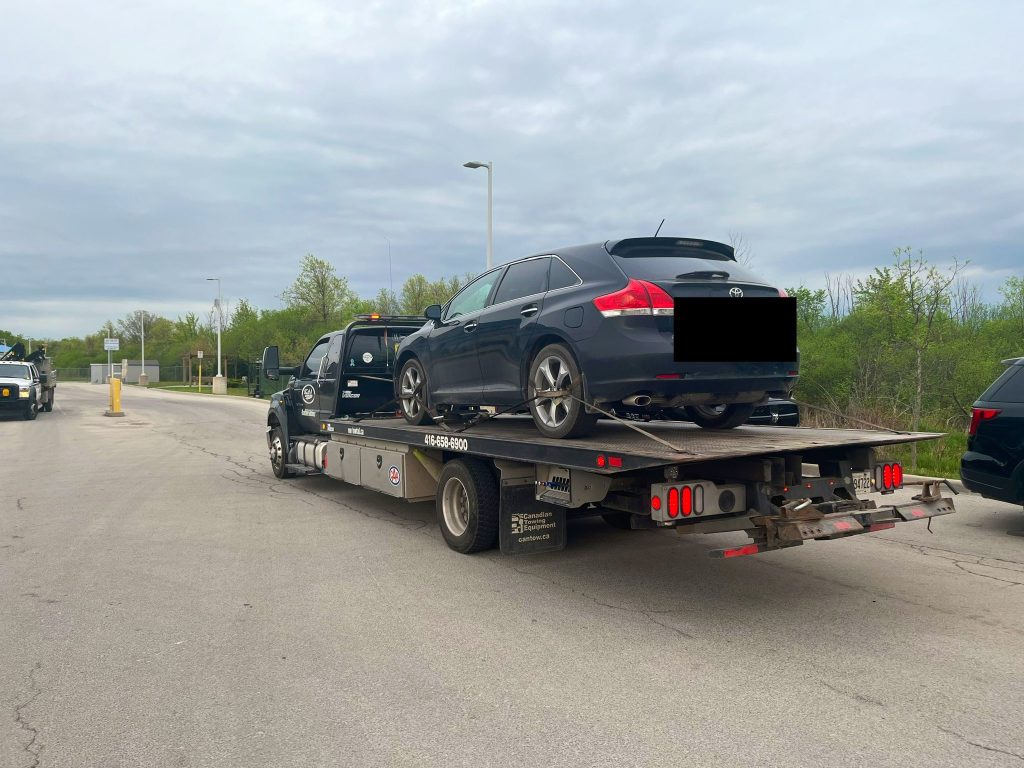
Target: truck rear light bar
[
  {"x": 695, "y": 498},
  {"x": 888, "y": 476}
]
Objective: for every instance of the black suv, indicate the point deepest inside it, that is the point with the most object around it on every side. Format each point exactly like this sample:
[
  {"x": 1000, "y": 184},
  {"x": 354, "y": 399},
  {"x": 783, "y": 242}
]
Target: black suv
[
  {"x": 994, "y": 463},
  {"x": 576, "y": 331}
]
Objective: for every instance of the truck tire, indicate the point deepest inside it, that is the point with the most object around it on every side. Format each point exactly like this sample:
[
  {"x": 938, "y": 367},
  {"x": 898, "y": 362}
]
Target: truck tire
[
  {"x": 412, "y": 393},
  {"x": 720, "y": 417},
  {"x": 48, "y": 405},
  {"x": 31, "y": 410},
  {"x": 555, "y": 367},
  {"x": 467, "y": 506},
  {"x": 279, "y": 453}
]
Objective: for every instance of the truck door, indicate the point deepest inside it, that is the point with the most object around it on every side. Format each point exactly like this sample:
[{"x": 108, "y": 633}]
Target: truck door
[
  {"x": 327, "y": 380},
  {"x": 305, "y": 387},
  {"x": 367, "y": 375}
]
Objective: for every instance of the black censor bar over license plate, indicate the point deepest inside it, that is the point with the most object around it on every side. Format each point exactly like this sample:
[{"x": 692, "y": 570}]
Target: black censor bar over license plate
[{"x": 723, "y": 329}]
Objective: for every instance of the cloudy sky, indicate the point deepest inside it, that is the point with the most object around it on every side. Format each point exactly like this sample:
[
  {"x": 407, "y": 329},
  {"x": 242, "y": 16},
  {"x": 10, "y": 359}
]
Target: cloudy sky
[{"x": 146, "y": 145}]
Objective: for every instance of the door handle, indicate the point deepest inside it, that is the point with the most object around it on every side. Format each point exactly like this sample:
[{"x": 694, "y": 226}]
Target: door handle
[
  {"x": 471, "y": 326},
  {"x": 529, "y": 310}
]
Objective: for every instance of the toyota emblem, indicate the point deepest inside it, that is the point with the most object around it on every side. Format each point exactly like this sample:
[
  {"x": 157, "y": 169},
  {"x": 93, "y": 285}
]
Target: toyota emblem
[{"x": 736, "y": 293}]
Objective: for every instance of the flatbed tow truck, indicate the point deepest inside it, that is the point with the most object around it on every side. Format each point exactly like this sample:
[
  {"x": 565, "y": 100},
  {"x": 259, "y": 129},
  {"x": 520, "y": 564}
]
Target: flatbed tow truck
[{"x": 495, "y": 480}]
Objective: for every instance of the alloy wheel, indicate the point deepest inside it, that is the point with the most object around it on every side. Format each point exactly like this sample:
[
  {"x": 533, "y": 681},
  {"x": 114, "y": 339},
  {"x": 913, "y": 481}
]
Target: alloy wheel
[
  {"x": 412, "y": 391},
  {"x": 553, "y": 376}
]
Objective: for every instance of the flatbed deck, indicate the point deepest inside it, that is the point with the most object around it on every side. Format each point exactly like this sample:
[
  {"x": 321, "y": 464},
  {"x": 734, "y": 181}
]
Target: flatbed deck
[{"x": 616, "y": 447}]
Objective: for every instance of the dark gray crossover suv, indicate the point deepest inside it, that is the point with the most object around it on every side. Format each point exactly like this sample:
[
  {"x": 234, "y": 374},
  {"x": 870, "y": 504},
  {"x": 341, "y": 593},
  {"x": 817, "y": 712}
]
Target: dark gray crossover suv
[
  {"x": 993, "y": 465},
  {"x": 568, "y": 333}
]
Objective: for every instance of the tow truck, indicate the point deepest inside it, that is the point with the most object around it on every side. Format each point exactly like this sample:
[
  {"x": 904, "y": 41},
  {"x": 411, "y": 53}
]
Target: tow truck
[
  {"x": 27, "y": 381},
  {"x": 495, "y": 481}
]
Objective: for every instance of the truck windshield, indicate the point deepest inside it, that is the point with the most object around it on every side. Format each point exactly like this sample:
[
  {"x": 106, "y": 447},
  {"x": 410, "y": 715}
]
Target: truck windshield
[{"x": 13, "y": 371}]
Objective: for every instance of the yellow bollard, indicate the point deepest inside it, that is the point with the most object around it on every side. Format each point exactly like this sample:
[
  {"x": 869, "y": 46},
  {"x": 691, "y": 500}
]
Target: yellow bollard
[{"x": 115, "y": 398}]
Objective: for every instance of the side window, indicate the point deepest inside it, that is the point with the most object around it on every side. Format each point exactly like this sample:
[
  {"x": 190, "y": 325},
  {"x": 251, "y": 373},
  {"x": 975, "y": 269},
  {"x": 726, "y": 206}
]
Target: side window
[
  {"x": 374, "y": 351},
  {"x": 561, "y": 275},
  {"x": 334, "y": 357},
  {"x": 525, "y": 278},
  {"x": 312, "y": 364},
  {"x": 1012, "y": 388},
  {"x": 473, "y": 297}
]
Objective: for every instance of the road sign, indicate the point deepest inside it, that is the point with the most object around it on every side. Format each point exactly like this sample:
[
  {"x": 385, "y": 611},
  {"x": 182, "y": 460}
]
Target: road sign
[
  {"x": 111, "y": 345},
  {"x": 199, "y": 354}
]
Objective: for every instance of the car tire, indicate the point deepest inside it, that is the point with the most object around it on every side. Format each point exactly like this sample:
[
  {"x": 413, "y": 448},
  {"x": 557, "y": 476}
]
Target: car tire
[
  {"x": 31, "y": 410},
  {"x": 412, "y": 393},
  {"x": 467, "y": 506},
  {"x": 728, "y": 417},
  {"x": 557, "y": 417},
  {"x": 279, "y": 454}
]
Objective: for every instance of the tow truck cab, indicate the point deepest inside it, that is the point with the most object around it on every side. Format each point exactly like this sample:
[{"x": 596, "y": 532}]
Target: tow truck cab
[{"x": 347, "y": 373}]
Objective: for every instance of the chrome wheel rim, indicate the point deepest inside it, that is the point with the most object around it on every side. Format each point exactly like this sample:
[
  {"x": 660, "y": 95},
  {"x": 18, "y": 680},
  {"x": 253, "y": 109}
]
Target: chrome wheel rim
[
  {"x": 412, "y": 391},
  {"x": 276, "y": 451},
  {"x": 552, "y": 375},
  {"x": 455, "y": 506}
]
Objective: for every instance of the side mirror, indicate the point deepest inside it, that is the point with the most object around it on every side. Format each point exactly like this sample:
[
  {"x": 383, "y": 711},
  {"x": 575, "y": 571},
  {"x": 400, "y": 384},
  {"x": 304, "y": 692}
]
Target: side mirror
[
  {"x": 271, "y": 363},
  {"x": 433, "y": 312}
]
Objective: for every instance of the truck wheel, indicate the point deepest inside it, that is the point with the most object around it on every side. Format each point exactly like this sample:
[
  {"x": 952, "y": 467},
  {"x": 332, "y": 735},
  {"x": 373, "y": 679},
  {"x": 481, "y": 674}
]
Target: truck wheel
[
  {"x": 279, "y": 454},
  {"x": 412, "y": 393},
  {"x": 720, "y": 416},
  {"x": 31, "y": 410},
  {"x": 467, "y": 506},
  {"x": 554, "y": 370}
]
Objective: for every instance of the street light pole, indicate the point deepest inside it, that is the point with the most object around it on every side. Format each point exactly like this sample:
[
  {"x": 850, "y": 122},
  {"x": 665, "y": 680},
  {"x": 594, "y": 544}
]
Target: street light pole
[
  {"x": 219, "y": 387},
  {"x": 143, "y": 378},
  {"x": 391, "y": 281},
  {"x": 490, "y": 177}
]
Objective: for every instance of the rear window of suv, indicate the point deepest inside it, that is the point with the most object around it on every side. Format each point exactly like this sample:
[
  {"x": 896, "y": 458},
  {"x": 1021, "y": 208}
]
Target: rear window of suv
[
  {"x": 664, "y": 258},
  {"x": 1008, "y": 388}
]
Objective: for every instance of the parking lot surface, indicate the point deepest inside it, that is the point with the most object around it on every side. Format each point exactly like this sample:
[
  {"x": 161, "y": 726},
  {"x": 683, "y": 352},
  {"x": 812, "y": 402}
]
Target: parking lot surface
[{"x": 165, "y": 601}]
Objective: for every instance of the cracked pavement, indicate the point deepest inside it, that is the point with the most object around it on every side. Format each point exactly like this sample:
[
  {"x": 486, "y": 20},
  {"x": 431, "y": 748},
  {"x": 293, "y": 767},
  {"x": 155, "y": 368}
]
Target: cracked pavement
[{"x": 165, "y": 601}]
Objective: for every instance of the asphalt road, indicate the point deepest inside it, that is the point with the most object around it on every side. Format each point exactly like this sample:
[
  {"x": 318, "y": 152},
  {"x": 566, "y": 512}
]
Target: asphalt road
[{"x": 165, "y": 601}]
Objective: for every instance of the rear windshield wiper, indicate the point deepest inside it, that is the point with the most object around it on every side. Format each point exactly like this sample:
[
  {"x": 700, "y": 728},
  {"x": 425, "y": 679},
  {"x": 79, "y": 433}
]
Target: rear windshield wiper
[{"x": 712, "y": 274}]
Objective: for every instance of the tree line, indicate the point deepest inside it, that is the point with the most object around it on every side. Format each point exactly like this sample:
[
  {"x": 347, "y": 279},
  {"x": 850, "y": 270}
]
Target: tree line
[
  {"x": 908, "y": 347},
  {"x": 319, "y": 300}
]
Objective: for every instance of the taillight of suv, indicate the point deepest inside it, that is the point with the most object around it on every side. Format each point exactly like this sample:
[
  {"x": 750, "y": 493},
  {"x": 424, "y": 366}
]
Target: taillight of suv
[
  {"x": 979, "y": 415},
  {"x": 639, "y": 297}
]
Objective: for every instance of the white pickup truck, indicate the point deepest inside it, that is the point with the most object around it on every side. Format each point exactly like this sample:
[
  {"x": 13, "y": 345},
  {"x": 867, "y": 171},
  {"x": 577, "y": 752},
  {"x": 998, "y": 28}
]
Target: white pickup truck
[{"x": 23, "y": 387}]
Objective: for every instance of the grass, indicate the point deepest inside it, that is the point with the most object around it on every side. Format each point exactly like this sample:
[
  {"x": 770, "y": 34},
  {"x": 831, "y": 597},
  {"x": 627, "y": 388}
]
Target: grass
[{"x": 934, "y": 457}]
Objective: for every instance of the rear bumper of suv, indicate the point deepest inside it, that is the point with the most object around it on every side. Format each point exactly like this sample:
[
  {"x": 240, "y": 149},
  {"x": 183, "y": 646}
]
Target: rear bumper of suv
[
  {"x": 637, "y": 366},
  {"x": 999, "y": 485}
]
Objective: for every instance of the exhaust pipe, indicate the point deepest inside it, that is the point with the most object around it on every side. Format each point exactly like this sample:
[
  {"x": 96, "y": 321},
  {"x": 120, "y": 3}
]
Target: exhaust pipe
[{"x": 640, "y": 401}]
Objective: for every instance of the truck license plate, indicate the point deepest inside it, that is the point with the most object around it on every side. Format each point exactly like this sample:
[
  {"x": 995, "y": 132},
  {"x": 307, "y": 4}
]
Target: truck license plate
[{"x": 862, "y": 482}]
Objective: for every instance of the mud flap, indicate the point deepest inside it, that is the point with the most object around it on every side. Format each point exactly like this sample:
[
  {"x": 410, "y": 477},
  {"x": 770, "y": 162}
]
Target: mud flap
[{"x": 527, "y": 526}]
